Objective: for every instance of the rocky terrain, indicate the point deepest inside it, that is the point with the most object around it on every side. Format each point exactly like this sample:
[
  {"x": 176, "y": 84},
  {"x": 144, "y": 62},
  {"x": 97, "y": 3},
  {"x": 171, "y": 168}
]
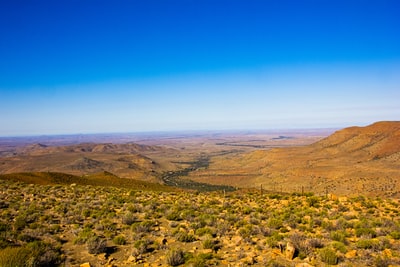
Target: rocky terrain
[{"x": 84, "y": 225}]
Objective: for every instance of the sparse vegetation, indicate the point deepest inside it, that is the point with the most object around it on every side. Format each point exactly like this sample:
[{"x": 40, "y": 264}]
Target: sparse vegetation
[{"x": 197, "y": 228}]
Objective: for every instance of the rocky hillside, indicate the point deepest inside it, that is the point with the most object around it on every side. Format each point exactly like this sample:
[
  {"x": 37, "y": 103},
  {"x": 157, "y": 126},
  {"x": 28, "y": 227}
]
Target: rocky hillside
[
  {"x": 380, "y": 140},
  {"x": 355, "y": 160}
]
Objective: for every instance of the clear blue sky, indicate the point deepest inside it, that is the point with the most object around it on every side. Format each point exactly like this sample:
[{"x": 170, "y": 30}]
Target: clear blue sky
[{"x": 87, "y": 66}]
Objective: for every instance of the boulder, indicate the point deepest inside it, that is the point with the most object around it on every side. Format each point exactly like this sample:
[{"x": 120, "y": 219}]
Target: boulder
[{"x": 290, "y": 251}]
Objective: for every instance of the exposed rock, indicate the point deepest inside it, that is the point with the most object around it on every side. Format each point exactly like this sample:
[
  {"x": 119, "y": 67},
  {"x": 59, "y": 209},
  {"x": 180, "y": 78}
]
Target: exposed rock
[
  {"x": 130, "y": 259},
  {"x": 290, "y": 250},
  {"x": 102, "y": 256},
  {"x": 351, "y": 254}
]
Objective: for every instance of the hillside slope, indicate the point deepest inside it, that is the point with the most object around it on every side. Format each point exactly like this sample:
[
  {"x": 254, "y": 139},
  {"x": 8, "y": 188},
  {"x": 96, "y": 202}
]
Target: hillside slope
[
  {"x": 355, "y": 160},
  {"x": 98, "y": 179},
  {"x": 125, "y": 160}
]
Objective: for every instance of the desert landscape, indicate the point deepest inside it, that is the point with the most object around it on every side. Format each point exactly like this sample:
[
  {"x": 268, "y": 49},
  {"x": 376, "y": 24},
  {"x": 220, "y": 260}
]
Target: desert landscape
[
  {"x": 275, "y": 198},
  {"x": 200, "y": 133}
]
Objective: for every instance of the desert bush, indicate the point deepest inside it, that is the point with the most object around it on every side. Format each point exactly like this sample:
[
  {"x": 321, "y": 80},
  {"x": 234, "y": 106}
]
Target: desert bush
[
  {"x": 83, "y": 236},
  {"x": 366, "y": 243},
  {"x": 273, "y": 240},
  {"x": 339, "y": 236},
  {"x": 43, "y": 254},
  {"x": 328, "y": 225},
  {"x": 205, "y": 231},
  {"x": 143, "y": 227},
  {"x": 201, "y": 260},
  {"x": 339, "y": 246},
  {"x": 14, "y": 256},
  {"x": 34, "y": 254},
  {"x": 395, "y": 234},
  {"x": 141, "y": 246},
  {"x": 222, "y": 228},
  {"x": 135, "y": 208},
  {"x": 313, "y": 201},
  {"x": 96, "y": 245},
  {"x": 175, "y": 257},
  {"x": 274, "y": 223},
  {"x": 365, "y": 232},
  {"x": 184, "y": 237},
  {"x": 382, "y": 262},
  {"x": 328, "y": 255},
  {"x": 174, "y": 216},
  {"x": 20, "y": 222},
  {"x": 119, "y": 240},
  {"x": 129, "y": 218},
  {"x": 246, "y": 231}
]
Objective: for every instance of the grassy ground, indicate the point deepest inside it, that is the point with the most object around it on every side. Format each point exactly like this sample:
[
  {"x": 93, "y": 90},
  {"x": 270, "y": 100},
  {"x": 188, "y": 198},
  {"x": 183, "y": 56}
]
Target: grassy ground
[{"x": 67, "y": 225}]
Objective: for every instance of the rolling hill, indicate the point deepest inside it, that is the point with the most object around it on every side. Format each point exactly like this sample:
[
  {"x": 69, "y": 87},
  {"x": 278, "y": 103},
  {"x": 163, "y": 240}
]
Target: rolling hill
[
  {"x": 355, "y": 160},
  {"x": 129, "y": 160},
  {"x": 97, "y": 179}
]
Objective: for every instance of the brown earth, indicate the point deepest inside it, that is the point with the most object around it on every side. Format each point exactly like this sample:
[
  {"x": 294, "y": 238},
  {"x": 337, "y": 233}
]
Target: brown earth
[
  {"x": 125, "y": 160},
  {"x": 355, "y": 160}
]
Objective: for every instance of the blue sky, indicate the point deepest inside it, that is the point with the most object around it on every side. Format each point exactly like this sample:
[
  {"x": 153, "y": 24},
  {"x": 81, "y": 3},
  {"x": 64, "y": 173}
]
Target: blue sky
[{"x": 130, "y": 66}]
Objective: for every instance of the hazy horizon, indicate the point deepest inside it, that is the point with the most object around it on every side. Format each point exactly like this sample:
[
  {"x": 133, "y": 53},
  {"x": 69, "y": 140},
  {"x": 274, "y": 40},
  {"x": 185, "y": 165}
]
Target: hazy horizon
[{"x": 89, "y": 67}]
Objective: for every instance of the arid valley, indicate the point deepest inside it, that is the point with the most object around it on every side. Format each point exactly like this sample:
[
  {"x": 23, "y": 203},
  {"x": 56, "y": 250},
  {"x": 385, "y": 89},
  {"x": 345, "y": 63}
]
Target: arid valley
[{"x": 265, "y": 198}]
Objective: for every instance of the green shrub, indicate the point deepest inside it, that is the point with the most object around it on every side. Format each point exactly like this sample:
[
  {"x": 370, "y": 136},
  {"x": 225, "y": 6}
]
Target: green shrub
[
  {"x": 129, "y": 218},
  {"x": 208, "y": 244},
  {"x": 273, "y": 240},
  {"x": 339, "y": 236},
  {"x": 143, "y": 246},
  {"x": 184, "y": 237},
  {"x": 96, "y": 245},
  {"x": 175, "y": 257},
  {"x": 365, "y": 232},
  {"x": 143, "y": 227},
  {"x": 174, "y": 216},
  {"x": 367, "y": 243},
  {"x": 339, "y": 246},
  {"x": 395, "y": 234},
  {"x": 14, "y": 256},
  {"x": 328, "y": 255},
  {"x": 205, "y": 231},
  {"x": 274, "y": 223},
  {"x": 119, "y": 240},
  {"x": 382, "y": 262},
  {"x": 43, "y": 254},
  {"x": 37, "y": 253},
  {"x": 313, "y": 201},
  {"x": 83, "y": 236}
]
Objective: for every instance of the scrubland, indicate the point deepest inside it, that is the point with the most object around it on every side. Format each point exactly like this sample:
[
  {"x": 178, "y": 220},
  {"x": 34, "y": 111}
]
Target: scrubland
[{"x": 73, "y": 225}]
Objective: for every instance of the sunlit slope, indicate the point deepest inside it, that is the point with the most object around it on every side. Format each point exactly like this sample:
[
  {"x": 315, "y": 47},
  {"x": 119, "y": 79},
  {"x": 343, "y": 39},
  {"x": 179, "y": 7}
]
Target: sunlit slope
[
  {"x": 125, "y": 160},
  {"x": 97, "y": 179},
  {"x": 355, "y": 160}
]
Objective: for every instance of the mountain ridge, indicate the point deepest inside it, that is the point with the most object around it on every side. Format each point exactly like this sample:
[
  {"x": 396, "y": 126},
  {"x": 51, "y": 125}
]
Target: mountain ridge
[{"x": 354, "y": 160}]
